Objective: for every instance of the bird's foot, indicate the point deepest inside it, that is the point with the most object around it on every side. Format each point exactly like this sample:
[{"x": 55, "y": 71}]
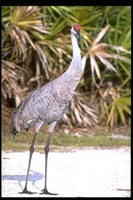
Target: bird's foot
[
  {"x": 25, "y": 191},
  {"x": 45, "y": 191}
]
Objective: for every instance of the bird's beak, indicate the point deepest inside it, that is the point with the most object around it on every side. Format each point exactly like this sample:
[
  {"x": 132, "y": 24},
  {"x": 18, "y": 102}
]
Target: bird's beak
[{"x": 78, "y": 32}]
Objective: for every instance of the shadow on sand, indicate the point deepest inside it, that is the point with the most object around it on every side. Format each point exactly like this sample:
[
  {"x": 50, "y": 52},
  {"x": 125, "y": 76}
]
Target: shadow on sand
[{"x": 33, "y": 177}]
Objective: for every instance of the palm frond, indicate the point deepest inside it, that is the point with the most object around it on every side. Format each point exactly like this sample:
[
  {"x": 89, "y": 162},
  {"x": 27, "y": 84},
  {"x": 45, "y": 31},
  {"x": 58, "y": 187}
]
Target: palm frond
[
  {"x": 101, "y": 51},
  {"x": 100, "y": 36},
  {"x": 80, "y": 113},
  {"x": 10, "y": 79}
]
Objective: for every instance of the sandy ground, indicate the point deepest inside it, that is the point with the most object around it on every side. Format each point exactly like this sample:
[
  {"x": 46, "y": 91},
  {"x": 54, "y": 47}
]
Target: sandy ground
[{"x": 87, "y": 172}]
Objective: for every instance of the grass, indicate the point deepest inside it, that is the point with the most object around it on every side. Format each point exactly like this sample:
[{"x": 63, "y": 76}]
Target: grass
[{"x": 59, "y": 139}]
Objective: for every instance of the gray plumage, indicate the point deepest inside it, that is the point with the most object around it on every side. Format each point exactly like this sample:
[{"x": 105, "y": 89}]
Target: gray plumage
[{"x": 48, "y": 104}]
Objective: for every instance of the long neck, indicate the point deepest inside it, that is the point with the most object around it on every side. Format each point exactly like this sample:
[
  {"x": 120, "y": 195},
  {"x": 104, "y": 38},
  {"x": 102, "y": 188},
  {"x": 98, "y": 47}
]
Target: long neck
[
  {"x": 71, "y": 77},
  {"x": 75, "y": 68},
  {"x": 75, "y": 48}
]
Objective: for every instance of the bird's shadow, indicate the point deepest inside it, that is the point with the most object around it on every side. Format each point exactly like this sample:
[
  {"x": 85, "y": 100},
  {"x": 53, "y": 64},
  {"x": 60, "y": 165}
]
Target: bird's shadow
[{"x": 35, "y": 176}]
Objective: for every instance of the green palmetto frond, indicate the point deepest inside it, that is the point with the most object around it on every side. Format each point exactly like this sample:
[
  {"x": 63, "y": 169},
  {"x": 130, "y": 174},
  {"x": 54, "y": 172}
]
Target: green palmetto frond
[
  {"x": 19, "y": 43},
  {"x": 23, "y": 20},
  {"x": 27, "y": 17},
  {"x": 118, "y": 109}
]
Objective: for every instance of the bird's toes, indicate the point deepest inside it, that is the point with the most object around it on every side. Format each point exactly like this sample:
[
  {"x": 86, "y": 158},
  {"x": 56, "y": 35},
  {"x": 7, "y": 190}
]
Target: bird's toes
[
  {"x": 45, "y": 191},
  {"x": 25, "y": 191}
]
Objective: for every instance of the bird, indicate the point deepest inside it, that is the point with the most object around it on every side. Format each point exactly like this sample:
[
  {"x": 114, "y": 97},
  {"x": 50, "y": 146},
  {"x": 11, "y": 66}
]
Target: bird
[{"x": 47, "y": 105}]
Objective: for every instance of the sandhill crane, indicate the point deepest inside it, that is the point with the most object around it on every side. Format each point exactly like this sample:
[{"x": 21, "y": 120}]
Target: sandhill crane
[{"x": 47, "y": 105}]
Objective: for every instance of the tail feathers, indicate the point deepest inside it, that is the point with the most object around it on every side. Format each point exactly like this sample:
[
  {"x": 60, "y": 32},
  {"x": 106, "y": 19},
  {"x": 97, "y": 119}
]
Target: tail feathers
[{"x": 14, "y": 126}]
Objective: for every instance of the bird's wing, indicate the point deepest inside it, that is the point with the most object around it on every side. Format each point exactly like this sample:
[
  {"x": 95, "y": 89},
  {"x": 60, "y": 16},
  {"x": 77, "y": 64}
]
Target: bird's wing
[{"x": 36, "y": 99}]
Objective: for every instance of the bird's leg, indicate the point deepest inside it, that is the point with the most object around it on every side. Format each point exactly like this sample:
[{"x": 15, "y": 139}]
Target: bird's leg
[
  {"x": 46, "y": 149},
  {"x": 30, "y": 157}
]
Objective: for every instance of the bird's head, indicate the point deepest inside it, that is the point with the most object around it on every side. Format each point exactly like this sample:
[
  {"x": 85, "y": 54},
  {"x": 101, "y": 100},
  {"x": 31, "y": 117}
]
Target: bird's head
[{"x": 76, "y": 30}]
